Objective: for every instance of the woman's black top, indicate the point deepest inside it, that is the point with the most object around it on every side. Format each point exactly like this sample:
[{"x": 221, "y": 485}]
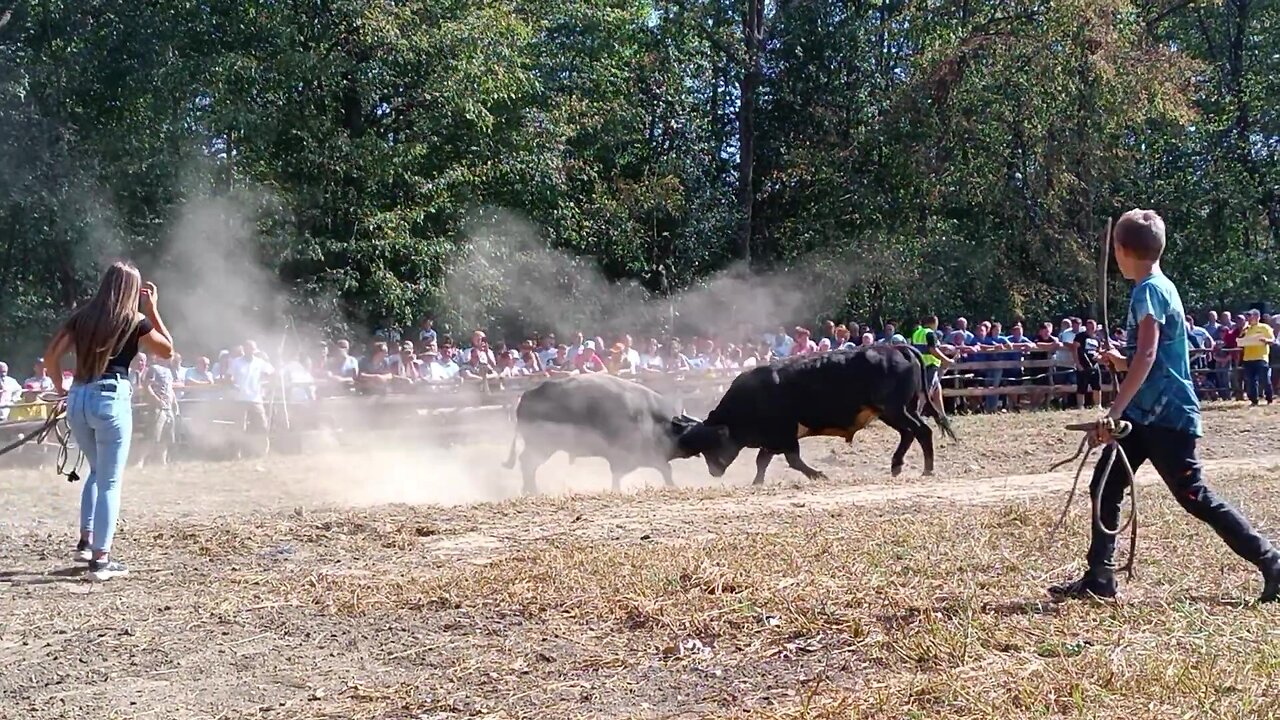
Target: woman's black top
[{"x": 121, "y": 361}]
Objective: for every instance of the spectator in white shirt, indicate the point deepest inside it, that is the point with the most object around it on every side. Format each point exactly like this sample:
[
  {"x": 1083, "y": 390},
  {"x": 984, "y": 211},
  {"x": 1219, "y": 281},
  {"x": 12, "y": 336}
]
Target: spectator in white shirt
[
  {"x": 247, "y": 373},
  {"x": 200, "y": 374},
  {"x": 480, "y": 343},
  {"x": 575, "y": 347},
  {"x": 137, "y": 369},
  {"x": 651, "y": 360},
  {"x": 632, "y": 357},
  {"x": 734, "y": 359},
  {"x": 222, "y": 368},
  {"x": 343, "y": 368},
  {"x": 299, "y": 379},
  {"x": 527, "y": 362},
  {"x": 439, "y": 367},
  {"x": 546, "y": 349},
  {"x": 10, "y": 391}
]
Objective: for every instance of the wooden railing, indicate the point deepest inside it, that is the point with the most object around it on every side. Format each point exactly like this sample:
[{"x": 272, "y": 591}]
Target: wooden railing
[{"x": 1041, "y": 380}]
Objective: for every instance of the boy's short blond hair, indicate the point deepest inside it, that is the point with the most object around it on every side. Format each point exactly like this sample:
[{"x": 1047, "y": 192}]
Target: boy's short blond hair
[{"x": 1141, "y": 234}]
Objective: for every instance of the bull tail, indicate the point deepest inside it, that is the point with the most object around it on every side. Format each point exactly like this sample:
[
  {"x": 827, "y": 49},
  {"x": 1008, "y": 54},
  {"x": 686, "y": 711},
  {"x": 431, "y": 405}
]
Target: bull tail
[
  {"x": 944, "y": 423},
  {"x": 511, "y": 454}
]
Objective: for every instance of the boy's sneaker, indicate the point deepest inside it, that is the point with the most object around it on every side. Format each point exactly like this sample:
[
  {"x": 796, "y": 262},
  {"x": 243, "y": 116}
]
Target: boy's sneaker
[
  {"x": 104, "y": 570},
  {"x": 83, "y": 553},
  {"x": 1100, "y": 584}
]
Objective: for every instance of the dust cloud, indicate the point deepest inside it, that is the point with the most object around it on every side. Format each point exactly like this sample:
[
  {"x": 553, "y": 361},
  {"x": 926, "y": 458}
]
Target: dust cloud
[
  {"x": 218, "y": 290},
  {"x": 214, "y": 287},
  {"x": 509, "y": 273}
]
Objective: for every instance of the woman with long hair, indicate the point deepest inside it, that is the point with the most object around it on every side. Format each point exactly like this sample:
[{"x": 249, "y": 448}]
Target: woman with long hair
[{"x": 105, "y": 334}]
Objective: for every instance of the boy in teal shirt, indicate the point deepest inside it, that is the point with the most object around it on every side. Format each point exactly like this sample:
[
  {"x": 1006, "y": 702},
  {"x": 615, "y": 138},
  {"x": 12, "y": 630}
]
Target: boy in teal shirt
[{"x": 1159, "y": 400}]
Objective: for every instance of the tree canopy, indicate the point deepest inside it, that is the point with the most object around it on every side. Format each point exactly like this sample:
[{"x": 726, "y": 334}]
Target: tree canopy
[{"x": 957, "y": 156}]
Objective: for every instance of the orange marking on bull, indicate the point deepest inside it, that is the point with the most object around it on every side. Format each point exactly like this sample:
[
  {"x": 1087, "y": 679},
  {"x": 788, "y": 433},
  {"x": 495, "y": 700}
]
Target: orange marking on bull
[{"x": 864, "y": 418}]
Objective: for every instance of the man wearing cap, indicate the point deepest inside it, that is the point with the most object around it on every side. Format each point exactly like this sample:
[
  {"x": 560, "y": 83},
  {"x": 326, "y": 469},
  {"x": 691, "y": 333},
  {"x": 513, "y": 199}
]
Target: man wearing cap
[
  {"x": 39, "y": 380},
  {"x": 618, "y": 364},
  {"x": 405, "y": 365},
  {"x": 1256, "y": 341},
  {"x": 587, "y": 360},
  {"x": 438, "y": 367}
]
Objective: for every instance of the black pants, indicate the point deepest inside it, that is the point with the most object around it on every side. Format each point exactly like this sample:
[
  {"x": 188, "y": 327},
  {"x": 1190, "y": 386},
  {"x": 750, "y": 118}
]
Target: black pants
[{"x": 1173, "y": 454}]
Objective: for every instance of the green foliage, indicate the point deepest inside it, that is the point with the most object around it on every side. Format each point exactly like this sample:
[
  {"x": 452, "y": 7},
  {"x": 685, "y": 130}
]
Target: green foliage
[{"x": 962, "y": 157}]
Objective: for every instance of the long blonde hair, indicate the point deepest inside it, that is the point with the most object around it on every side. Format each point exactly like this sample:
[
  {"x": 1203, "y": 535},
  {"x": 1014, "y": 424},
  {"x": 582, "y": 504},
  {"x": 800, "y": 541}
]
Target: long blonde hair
[{"x": 100, "y": 328}]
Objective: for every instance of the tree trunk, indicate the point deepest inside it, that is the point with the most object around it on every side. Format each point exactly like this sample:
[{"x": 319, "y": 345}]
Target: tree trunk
[{"x": 752, "y": 31}]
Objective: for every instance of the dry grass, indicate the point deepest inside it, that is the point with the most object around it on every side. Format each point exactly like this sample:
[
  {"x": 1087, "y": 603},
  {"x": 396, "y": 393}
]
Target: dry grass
[{"x": 649, "y": 606}]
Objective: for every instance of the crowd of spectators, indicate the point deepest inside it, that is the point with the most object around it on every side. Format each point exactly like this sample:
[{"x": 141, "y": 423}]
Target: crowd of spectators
[{"x": 1232, "y": 352}]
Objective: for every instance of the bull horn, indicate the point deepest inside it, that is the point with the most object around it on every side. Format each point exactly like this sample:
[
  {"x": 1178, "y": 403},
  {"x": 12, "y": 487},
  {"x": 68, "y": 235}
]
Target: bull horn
[{"x": 685, "y": 418}]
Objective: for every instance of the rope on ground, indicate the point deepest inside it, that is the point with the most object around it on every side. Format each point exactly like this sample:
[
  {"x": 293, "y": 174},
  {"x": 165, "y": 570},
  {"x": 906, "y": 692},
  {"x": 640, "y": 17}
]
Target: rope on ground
[
  {"x": 1118, "y": 430},
  {"x": 56, "y": 425}
]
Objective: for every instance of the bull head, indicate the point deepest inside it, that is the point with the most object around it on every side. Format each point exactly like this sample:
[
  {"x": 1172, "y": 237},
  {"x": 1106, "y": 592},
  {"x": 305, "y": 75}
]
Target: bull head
[{"x": 713, "y": 442}]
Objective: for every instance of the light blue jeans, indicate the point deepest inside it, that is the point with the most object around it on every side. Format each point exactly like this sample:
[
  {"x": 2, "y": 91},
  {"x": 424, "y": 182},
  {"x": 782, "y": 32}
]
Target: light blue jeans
[{"x": 101, "y": 418}]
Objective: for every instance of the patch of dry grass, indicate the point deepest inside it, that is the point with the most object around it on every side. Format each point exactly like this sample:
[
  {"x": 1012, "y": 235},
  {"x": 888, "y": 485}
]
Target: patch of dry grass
[
  {"x": 857, "y": 612},
  {"x": 649, "y": 606}
]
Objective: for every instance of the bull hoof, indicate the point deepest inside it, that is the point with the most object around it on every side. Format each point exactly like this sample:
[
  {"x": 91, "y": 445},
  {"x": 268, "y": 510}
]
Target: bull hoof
[
  {"x": 529, "y": 490},
  {"x": 757, "y": 482},
  {"x": 896, "y": 470},
  {"x": 927, "y": 473},
  {"x": 820, "y": 476}
]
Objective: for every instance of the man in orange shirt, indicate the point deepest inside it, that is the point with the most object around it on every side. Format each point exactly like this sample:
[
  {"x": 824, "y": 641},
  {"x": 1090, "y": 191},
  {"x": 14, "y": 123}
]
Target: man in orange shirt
[{"x": 1256, "y": 341}]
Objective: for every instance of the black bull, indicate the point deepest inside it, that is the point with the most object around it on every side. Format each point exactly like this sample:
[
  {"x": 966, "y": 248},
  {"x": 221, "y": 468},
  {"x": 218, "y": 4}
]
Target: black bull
[
  {"x": 837, "y": 394},
  {"x": 597, "y": 415}
]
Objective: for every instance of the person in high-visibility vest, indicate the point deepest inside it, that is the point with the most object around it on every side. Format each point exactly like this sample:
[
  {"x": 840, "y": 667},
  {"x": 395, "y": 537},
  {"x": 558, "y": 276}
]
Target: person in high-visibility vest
[{"x": 925, "y": 339}]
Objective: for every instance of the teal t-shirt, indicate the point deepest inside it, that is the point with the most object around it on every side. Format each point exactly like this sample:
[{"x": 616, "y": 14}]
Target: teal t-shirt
[{"x": 1168, "y": 397}]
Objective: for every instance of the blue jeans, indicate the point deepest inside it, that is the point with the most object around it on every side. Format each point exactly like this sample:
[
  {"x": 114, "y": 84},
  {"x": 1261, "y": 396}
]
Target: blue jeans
[
  {"x": 101, "y": 418},
  {"x": 1257, "y": 372},
  {"x": 1222, "y": 379},
  {"x": 993, "y": 379}
]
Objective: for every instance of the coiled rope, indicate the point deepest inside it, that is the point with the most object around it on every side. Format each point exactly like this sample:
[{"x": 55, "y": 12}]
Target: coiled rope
[
  {"x": 55, "y": 424},
  {"x": 1118, "y": 431}
]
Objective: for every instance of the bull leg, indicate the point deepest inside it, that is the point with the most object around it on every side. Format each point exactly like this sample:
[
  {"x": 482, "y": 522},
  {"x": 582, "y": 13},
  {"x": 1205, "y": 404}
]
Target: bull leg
[
  {"x": 762, "y": 463},
  {"x": 665, "y": 469},
  {"x": 530, "y": 460},
  {"x": 793, "y": 459},
  {"x": 906, "y": 427},
  {"x": 618, "y": 471},
  {"x": 924, "y": 434}
]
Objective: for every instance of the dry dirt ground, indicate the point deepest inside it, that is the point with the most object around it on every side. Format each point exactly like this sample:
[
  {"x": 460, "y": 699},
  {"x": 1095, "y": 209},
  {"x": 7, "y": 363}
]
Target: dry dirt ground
[{"x": 408, "y": 584}]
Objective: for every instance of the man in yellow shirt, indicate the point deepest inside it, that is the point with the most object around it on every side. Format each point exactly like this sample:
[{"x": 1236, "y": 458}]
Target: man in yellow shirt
[{"x": 1256, "y": 341}]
